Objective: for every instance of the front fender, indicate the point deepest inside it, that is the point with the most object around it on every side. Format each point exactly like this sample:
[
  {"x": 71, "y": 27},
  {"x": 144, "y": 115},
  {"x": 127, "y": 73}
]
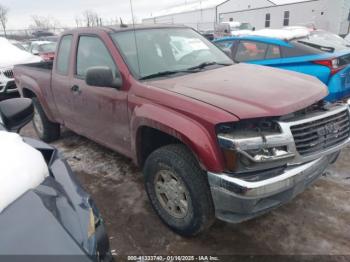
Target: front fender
[{"x": 199, "y": 139}]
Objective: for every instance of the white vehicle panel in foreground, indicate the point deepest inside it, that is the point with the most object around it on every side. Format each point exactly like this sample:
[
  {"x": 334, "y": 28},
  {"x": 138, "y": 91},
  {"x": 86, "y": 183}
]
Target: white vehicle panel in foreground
[
  {"x": 11, "y": 55},
  {"x": 22, "y": 168}
]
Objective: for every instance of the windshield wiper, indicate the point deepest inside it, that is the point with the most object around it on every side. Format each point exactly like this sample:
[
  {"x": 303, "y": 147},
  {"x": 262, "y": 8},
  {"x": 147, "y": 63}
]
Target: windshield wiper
[
  {"x": 190, "y": 70},
  {"x": 166, "y": 73},
  {"x": 206, "y": 64}
]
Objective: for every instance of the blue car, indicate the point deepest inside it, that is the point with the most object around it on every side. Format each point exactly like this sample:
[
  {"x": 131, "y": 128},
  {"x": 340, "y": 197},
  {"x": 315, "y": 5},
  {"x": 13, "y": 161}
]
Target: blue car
[{"x": 316, "y": 54}]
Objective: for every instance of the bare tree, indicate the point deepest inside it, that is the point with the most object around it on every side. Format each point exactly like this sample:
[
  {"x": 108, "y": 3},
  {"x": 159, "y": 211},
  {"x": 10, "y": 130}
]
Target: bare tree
[
  {"x": 78, "y": 21},
  {"x": 92, "y": 18},
  {"x": 40, "y": 22},
  {"x": 44, "y": 23},
  {"x": 3, "y": 17}
]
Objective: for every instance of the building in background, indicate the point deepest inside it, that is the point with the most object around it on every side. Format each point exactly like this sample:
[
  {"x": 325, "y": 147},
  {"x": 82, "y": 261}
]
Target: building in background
[
  {"x": 331, "y": 15},
  {"x": 200, "y": 15}
]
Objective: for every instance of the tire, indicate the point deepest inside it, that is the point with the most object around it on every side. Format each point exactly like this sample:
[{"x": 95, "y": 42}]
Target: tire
[
  {"x": 192, "y": 182},
  {"x": 45, "y": 129}
]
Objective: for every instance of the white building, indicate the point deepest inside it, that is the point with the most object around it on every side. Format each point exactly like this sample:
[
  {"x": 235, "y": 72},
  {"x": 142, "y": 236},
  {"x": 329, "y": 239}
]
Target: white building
[
  {"x": 200, "y": 15},
  {"x": 331, "y": 15}
]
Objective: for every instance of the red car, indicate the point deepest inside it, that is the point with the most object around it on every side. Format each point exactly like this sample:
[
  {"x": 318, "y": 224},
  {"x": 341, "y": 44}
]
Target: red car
[
  {"x": 44, "y": 49},
  {"x": 214, "y": 138}
]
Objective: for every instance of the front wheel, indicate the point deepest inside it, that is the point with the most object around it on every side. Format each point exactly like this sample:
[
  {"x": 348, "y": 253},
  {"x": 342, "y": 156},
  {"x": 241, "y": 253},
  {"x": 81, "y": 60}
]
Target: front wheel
[
  {"x": 178, "y": 190},
  {"x": 45, "y": 129}
]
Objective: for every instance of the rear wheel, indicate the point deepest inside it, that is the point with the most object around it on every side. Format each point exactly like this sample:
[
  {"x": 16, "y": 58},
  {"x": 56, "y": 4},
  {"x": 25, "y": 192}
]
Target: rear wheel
[
  {"x": 178, "y": 190},
  {"x": 45, "y": 129}
]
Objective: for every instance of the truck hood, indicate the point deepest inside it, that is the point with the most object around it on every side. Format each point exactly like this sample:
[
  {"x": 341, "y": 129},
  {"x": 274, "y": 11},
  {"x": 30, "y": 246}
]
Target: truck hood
[{"x": 249, "y": 91}]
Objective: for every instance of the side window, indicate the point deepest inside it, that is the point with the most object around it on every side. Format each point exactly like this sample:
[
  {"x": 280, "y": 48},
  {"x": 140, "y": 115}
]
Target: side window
[
  {"x": 62, "y": 61},
  {"x": 224, "y": 44},
  {"x": 299, "y": 49},
  {"x": 267, "y": 20},
  {"x": 250, "y": 51},
  {"x": 92, "y": 52},
  {"x": 286, "y": 18},
  {"x": 273, "y": 52}
]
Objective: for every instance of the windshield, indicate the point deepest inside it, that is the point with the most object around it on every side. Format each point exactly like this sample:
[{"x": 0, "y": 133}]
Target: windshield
[
  {"x": 326, "y": 41},
  {"x": 166, "y": 49},
  {"x": 47, "y": 48}
]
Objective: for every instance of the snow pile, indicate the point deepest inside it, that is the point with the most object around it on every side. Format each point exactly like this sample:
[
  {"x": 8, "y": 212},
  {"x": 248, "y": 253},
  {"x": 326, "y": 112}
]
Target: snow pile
[
  {"x": 21, "y": 168},
  {"x": 11, "y": 55},
  {"x": 284, "y": 34}
]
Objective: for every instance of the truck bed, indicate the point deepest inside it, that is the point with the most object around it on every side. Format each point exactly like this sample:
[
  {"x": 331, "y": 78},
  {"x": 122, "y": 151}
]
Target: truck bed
[
  {"x": 35, "y": 77},
  {"x": 39, "y": 65}
]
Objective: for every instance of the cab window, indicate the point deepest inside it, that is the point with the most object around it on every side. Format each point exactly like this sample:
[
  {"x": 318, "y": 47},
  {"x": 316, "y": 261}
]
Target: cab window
[
  {"x": 91, "y": 53},
  {"x": 64, "y": 55}
]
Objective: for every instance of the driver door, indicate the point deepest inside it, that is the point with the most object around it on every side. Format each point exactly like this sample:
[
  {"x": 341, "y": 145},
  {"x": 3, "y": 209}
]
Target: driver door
[{"x": 100, "y": 112}]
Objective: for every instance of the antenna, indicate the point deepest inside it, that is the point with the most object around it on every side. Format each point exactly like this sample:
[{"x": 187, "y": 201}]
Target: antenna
[{"x": 136, "y": 46}]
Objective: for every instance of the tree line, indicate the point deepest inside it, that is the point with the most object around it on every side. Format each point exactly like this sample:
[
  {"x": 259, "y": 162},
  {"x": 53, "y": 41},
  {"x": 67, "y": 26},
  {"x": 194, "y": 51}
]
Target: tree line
[{"x": 88, "y": 18}]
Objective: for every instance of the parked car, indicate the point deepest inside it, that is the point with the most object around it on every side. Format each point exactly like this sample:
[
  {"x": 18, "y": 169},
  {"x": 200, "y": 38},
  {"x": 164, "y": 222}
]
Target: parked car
[
  {"x": 317, "y": 53},
  {"x": 44, "y": 49},
  {"x": 43, "y": 209},
  {"x": 213, "y": 138},
  {"x": 49, "y": 38},
  {"x": 18, "y": 44},
  {"x": 208, "y": 34},
  {"x": 42, "y": 33},
  {"x": 11, "y": 55},
  {"x": 225, "y": 29}
]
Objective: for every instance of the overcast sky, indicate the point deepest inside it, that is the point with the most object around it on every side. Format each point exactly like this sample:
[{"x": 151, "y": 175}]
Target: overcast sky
[{"x": 65, "y": 11}]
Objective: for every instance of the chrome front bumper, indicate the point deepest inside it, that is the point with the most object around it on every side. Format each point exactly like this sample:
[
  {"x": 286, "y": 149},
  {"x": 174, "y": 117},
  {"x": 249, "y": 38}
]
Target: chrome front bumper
[{"x": 236, "y": 199}]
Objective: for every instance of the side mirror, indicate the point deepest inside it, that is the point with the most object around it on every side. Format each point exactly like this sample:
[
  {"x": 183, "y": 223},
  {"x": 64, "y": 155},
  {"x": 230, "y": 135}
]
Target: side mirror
[
  {"x": 35, "y": 52},
  {"x": 102, "y": 76},
  {"x": 16, "y": 113}
]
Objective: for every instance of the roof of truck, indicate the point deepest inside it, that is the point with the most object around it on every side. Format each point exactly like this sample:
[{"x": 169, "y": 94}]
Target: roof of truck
[{"x": 128, "y": 27}]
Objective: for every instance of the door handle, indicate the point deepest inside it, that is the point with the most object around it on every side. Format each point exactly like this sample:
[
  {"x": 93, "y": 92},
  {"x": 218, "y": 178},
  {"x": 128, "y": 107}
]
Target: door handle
[{"x": 75, "y": 89}]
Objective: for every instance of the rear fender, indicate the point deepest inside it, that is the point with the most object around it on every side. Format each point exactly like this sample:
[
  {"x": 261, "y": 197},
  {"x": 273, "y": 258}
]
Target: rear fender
[{"x": 32, "y": 86}]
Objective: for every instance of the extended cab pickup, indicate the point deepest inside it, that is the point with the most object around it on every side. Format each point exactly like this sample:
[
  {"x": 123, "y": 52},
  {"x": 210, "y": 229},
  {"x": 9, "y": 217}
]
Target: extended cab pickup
[{"x": 213, "y": 138}]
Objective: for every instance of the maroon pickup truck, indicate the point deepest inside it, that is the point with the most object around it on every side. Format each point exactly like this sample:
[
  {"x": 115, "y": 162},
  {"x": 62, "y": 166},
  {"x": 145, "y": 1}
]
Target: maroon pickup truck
[{"x": 214, "y": 139}]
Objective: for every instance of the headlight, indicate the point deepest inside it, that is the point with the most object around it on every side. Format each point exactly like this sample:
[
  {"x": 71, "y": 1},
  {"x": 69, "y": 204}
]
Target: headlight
[
  {"x": 91, "y": 226},
  {"x": 254, "y": 145},
  {"x": 94, "y": 218}
]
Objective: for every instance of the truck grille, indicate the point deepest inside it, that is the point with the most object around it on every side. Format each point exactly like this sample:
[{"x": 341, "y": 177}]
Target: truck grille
[
  {"x": 8, "y": 73},
  {"x": 321, "y": 134}
]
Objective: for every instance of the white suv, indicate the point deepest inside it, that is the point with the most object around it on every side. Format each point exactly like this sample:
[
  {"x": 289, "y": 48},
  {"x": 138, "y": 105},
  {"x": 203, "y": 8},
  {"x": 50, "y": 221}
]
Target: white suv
[{"x": 11, "y": 55}]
